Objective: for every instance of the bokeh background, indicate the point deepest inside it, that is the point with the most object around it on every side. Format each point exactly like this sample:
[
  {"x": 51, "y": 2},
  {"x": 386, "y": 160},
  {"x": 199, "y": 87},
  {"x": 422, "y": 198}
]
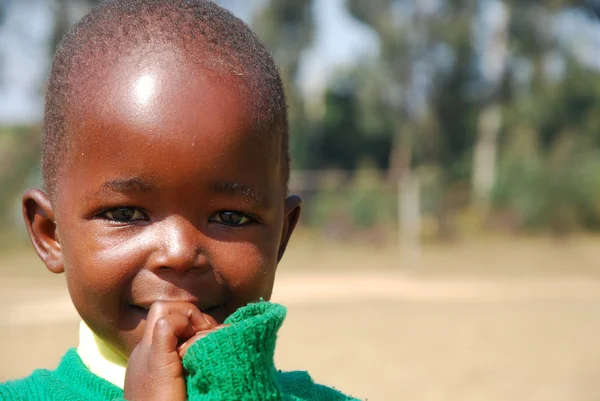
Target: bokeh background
[{"x": 448, "y": 152}]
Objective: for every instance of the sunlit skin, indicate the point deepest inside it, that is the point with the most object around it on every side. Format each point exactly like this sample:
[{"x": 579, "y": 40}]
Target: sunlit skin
[{"x": 169, "y": 194}]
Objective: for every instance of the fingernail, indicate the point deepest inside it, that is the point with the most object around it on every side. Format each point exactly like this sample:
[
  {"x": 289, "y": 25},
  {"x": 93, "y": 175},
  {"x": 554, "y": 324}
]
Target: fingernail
[{"x": 206, "y": 320}]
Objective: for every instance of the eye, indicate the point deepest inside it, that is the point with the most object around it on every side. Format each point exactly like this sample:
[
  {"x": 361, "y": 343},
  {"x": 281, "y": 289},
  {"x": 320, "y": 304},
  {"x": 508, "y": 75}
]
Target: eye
[
  {"x": 231, "y": 218},
  {"x": 124, "y": 214}
]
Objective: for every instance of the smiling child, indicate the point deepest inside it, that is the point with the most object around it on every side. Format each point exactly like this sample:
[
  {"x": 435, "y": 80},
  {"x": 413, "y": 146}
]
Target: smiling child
[{"x": 165, "y": 164}]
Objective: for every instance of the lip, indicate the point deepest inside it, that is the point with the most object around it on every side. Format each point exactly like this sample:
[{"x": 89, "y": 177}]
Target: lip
[
  {"x": 218, "y": 312},
  {"x": 204, "y": 307}
]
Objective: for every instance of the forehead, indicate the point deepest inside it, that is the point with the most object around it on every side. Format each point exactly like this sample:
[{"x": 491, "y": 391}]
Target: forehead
[
  {"x": 170, "y": 107},
  {"x": 150, "y": 89}
]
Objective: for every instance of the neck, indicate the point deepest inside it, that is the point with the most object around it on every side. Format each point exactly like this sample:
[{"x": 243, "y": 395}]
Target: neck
[{"x": 100, "y": 358}]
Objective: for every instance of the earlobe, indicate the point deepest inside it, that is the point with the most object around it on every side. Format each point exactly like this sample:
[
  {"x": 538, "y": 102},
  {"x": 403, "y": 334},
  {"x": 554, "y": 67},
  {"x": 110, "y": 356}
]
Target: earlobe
[
  {"x": 40, "y": 221},
  {"x": 292, "y": 208}
]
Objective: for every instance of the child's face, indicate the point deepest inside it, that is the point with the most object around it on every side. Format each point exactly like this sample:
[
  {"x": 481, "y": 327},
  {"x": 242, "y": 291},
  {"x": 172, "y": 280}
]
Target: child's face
[{"x": 169, "y": 194}]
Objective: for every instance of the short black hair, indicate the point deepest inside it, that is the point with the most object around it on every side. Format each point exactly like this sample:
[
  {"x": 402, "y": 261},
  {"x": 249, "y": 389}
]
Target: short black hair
[{"x": 212, "y": 36}]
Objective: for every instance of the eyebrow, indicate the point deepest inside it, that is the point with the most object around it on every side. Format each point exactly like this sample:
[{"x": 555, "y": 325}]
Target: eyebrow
[
  {"x": 126, "y": 186},
  {"x": 240, "y": 189}
]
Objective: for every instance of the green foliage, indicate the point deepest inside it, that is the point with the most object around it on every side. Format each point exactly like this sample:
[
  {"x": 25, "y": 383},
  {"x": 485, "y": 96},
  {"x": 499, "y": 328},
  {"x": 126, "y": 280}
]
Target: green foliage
[
  {"x": 558, "y": 193},
  {"x": 343, "y": 142},
  {"x": 343, "y": 206}
]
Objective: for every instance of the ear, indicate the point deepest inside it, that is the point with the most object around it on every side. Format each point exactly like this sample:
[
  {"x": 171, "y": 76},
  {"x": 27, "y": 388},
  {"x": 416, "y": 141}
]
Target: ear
[
  {"x": 292, "y": 207},
  {"x": 40, "y": 221}
]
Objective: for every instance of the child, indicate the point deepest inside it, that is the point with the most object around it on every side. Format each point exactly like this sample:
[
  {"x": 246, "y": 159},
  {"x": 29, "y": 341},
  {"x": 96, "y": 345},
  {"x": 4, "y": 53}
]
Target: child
[{"x": 165, "y": 164}]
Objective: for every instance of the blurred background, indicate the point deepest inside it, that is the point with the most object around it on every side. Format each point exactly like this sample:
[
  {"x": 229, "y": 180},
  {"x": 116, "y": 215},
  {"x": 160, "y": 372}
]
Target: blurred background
[{"x": 448, "y": 152}]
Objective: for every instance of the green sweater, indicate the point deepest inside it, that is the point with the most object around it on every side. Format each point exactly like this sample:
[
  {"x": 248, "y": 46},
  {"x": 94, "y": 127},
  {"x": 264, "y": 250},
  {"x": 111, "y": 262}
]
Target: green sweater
[{"x": 235, "y": 363}]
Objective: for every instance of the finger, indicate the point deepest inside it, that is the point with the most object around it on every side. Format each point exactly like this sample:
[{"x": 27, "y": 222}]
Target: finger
[
  {"x": 182, "y": 349},
  {"x": 168, "y": 332},
  {"x": 160, "y": 309}
]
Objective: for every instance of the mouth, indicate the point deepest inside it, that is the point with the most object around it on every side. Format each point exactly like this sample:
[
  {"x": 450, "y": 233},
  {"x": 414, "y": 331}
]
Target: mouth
[{"x": 142, "y": 309}]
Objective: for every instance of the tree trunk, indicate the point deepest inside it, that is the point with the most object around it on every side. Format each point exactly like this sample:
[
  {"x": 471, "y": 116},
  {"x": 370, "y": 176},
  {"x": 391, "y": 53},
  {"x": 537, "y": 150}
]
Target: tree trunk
[
  {"x": 494, "y": 57},
  {"x": 409, "y": 214},
  {"x": 484, "y": 155},
  {"x": 408, "y": 198}
]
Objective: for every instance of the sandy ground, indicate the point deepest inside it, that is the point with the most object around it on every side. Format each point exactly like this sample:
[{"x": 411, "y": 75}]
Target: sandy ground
[{"x": 448, "y": 328}]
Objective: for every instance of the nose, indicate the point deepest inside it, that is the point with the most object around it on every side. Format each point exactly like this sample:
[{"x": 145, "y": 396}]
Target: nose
[{"x": 179, "y": 247}]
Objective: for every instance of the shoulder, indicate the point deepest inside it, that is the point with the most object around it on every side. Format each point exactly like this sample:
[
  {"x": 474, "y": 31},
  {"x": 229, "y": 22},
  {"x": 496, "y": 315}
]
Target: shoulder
[
  {"x": 27, "y": 387},
  {"x": 300, "y": 385},
  {"x": 70, "y": 381}
]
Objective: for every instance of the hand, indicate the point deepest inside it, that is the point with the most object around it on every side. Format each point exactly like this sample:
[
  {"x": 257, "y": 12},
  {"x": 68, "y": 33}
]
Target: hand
[{"x": 154, "y": 370}]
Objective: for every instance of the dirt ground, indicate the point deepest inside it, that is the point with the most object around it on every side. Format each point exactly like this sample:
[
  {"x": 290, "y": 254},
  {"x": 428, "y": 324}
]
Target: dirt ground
[{"x": 485, "y": 320}]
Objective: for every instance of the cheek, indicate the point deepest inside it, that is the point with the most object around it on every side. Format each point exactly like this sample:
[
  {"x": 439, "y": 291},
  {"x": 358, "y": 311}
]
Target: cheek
[
  {"x": 247, "y": 269},
  {"x": 100, "y": 261}
]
